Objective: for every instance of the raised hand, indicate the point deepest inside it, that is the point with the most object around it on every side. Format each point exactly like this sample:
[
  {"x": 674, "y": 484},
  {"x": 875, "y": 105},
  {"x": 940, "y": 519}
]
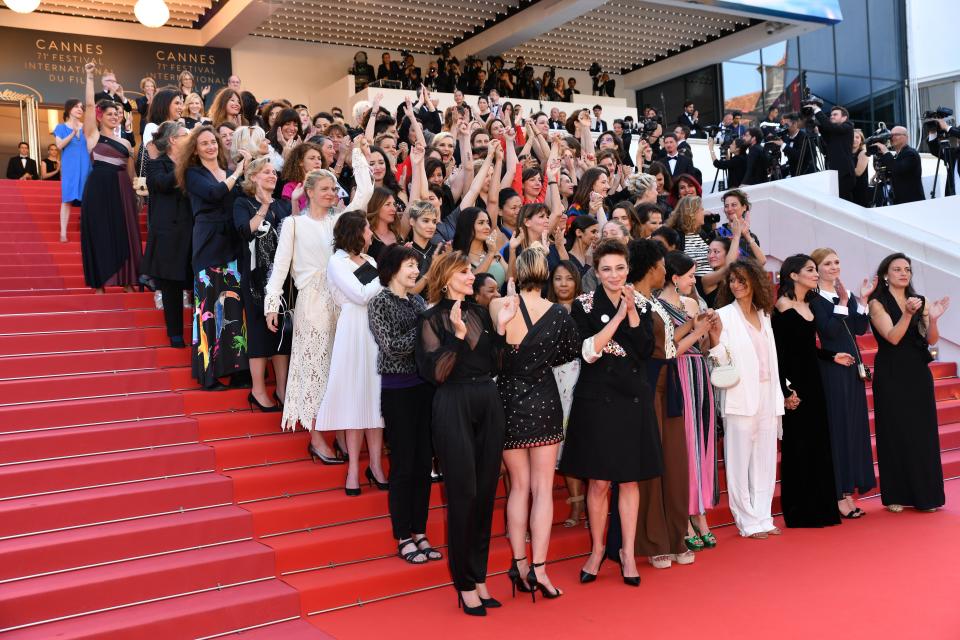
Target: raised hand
[
  {"x": 843, "y": 294},
  {"x": 867, "y": 287},
  {"x": 205, "y": 91},
  {"x": 912, "y": 306},
  {"x": 456, "y": 321},
  {"x": 596, "y": 202},
  {"x": 90, "y": 67},
  {"x": 511, "y": 287},
  {"x": 417, "y": 154},
  {"x": 506, "y": 313},
  {"x": 939, "y": 307}
]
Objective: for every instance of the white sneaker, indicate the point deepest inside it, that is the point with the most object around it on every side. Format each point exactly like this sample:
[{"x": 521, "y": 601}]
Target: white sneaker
[
  {"x": 661, "y": 562},
  {"x": 157, "y": 300},
  {"x": 687, "y": 557}
]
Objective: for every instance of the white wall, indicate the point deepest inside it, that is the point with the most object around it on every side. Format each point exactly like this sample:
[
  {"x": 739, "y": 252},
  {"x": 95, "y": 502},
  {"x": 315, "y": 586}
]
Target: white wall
[{"x": 931, "y": 30}]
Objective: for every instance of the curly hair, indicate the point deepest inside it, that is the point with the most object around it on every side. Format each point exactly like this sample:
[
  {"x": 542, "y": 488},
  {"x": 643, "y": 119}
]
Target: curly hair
[
  {"x": 644, "y": 255},
  {"x": 684, "y": 217},
  {"x": 749, "y": 272},
  {"x": 292, "y": 166},
  {"x": 188, "y": 154}
]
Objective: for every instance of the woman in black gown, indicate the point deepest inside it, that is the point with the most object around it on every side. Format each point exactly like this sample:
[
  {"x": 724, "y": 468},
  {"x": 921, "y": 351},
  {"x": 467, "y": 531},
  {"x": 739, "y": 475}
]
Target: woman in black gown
[
  {"x": 109, "y": 224},
  {"x": 613, "y": 434},
  {"x": 540, "y": 337},
  {"x": 807, "y": 486},
  {"x": 905, "y": 408},
  {"x": 257, "y": 217},
  {"x": 840, "y": 316}
]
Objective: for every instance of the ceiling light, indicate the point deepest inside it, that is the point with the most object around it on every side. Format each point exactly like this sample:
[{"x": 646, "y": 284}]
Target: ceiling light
[
  {"x": 151, "y": 13},
  {"x": 22, "y": 6}
]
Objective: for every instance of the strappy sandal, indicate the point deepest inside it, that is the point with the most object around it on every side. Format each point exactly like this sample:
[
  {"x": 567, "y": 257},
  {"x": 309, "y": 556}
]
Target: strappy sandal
[
  {"x": 851, "y": 515},
  {"x": 424, "y": 546},
  {"x": 411, "y": 556},
  {"x": 571, "y": 521}
]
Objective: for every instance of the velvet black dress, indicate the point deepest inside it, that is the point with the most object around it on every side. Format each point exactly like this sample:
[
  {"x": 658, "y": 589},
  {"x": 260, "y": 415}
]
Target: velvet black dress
[
  {"x": 905, "y": 408},
  {"x": 613, "y": 433},
  {"x": 807, "y": 487}
]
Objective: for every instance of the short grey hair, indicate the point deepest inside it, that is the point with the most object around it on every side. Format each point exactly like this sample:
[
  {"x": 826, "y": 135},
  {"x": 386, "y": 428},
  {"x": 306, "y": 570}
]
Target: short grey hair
[
  {"x": 165, "y": 132},
  {"x": 639, "y": 183}
]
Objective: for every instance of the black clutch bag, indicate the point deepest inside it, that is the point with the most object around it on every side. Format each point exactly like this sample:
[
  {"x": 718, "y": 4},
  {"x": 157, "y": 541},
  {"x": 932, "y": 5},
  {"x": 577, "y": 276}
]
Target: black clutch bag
[{"x": 366, "y": 273}]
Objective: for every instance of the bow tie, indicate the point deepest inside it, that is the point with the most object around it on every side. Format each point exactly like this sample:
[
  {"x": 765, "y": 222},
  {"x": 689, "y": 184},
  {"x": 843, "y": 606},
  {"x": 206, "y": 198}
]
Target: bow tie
[{"x": 671, "y": 157}]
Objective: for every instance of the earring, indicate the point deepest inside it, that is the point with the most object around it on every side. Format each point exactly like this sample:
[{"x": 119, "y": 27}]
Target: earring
[
  {"x": 886, "y": 280},
  {"x": 677, "y": 289},
  {"x": 443, "y": 289}
]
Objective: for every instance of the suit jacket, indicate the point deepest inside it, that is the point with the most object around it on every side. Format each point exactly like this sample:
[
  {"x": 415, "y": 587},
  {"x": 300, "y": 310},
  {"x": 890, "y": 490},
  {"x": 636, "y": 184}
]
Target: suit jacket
[
  {"x": 16, "y": 170},
  {"x": 839, "y": 141},
  {"x": 756, "y": 170},
  {"x": 799, "y": 153},
  {"x": 743, "y": 398},
  {"x": 950, "y": 156},
  {"x": 599, "y": 126},
  {"x": 686, "y": 120},
  {"x": 681, "y": 166},
  {"x": 389, "y": 73},
  {"x": 905, "y": 175},
  {"x": 103, "y": 95}
]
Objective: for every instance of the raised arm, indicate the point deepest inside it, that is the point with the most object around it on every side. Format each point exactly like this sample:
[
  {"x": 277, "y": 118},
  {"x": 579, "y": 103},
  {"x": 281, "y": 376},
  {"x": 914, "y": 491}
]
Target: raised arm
[{"x": 90, "y": 128}]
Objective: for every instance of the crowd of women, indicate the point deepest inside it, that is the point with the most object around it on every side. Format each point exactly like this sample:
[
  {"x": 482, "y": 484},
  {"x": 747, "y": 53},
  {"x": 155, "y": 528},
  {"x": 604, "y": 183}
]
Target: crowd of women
[{"x": 486, "y": 296}]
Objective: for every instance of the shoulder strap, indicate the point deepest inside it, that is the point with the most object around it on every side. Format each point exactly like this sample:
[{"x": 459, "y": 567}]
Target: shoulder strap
[{"x": 526, "y": 314}]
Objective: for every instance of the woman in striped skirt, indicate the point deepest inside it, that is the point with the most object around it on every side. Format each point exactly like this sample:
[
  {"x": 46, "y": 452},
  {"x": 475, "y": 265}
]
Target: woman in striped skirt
[{"x": 679, "y": 299}]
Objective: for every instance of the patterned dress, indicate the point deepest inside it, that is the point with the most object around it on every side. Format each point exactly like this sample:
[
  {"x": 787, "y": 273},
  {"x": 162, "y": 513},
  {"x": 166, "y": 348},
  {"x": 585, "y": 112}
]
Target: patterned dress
[
  {"x": 700, "y": 421},
  {"x": 219, "y": 324}
]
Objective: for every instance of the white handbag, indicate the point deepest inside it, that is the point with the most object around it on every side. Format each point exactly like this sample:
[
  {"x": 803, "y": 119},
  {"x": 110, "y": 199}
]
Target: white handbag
[{"x": 724, "y": 376}]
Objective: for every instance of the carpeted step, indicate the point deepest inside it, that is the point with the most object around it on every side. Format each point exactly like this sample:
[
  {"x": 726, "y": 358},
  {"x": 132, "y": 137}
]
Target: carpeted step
[
  {"x": 27, "y": 259},
  {"x": 92, "y": 385},
  {"x": 116, "y": 541},
  {"x": 59, "y": 364},
  {"x": 54, "y": 596},
  {"x": 293, "y": 630},
  {"x": 14, "y": 345},
  {"x": 948, "y": 412},
  {"x": 194, "y": 616},
  {"x": 72, "y": 322},
  {"x": 285, "y": 479},
  {"x": 943, "y": 389},
  {"x": 108, "y": 504},
  {"x": 70, "y": 413},
  {"x": 239, "y": 424},
  {"x": 82, "y": 301},
  {"x": 102, "y": 438},
  {"x": 38, "y": 478},
  {"x": 264, "y": 450}
]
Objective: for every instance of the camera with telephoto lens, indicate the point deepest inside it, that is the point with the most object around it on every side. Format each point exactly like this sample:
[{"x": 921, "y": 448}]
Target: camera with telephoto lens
[
  {"x": 711, "y": 218},
  {"x": 595, "y": 70},
  {"x": 648, "y": 125},
  {"x": 930, "y": 119},
  {"x": 881, "y": 136},
  {"x": 808, "y": 103}
]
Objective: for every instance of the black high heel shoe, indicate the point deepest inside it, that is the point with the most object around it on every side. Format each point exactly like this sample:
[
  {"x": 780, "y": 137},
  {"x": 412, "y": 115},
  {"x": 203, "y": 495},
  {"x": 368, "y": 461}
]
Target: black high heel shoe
[
  {"x": 353, "y": 493},
  {"x": 478, "y": 610},
  {"x": 316, "y": 455},
  {"x": 383, "y": 486},
  {"x": 517, "y": 582},
  {"x": 586, "y": 577},
  {"x": 277, "y": 399},
  {"x": 534, "y": 584},
  {"x": 630, "y": 582},
  {"x": 340, "y": 452},
  {"x": 253, "y": 402}
]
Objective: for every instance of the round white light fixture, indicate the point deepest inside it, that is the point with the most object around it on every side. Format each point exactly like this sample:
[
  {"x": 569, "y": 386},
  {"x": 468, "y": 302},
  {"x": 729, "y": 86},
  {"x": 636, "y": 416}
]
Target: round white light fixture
[
  {"x": 150, "y": 13},
  {"x": 22, "y": 6}
]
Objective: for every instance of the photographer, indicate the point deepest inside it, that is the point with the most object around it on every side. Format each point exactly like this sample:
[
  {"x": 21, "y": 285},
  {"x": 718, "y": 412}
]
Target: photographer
[
  {"x": 837, "y": 133},
  {"x": 797, "y": 146},
  {"x": 735, "y": 164},
  {"x": 388, "y": 70},
  {"x": 690, "y": 118},
  {"x": 938, "y": 145},
  {"x": 904, "y": 168},
  {"x": 682, "y": 133},
  {"x": 757, "y": 161}
]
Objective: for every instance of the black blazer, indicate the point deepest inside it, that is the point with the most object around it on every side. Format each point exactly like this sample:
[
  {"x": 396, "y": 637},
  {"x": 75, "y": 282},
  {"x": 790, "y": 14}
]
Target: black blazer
[
  {"x": 16, "y": 170},
  {"x": 905, "y": 175},
  {"x": 681, "y": 166},
  {"x": 799, "y": 153},
  {"x": 756, "y": 170},
  {"x": 103, "y": 95},
  {"x": 170, "y": 230},
  {"x": 839, "y": 141},
  {"x": 736, "y": 168},
  {"x": 215, "y": 239},
  {"x": 391, "y": 73}
]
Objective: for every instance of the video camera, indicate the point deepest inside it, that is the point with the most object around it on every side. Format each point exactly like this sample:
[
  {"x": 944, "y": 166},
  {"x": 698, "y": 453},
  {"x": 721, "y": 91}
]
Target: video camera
[
  {"x": 808, "y": 103},
  {"x": 727, "y": 135},
  {"x": 595, "y": 70},
  {"x": 881, "y": 136}
]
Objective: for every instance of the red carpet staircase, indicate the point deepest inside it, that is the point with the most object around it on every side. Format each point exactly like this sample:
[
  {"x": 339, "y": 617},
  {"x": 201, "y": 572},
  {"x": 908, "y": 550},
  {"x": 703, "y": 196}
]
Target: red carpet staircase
[{"x": 133, "y": 505}]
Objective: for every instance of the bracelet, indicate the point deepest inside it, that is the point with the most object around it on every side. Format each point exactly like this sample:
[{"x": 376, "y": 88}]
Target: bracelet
[{"x": 551, "y": 183}]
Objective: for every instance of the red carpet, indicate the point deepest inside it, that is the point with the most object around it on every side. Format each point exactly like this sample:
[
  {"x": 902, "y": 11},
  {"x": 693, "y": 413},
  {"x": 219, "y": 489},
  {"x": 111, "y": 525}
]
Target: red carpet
[{"x": 135, "y": 506}]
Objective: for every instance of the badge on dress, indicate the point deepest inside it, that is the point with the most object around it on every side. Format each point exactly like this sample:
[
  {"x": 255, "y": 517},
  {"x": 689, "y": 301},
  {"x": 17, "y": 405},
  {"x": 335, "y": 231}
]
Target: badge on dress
[{"x": 605, "y": 318}]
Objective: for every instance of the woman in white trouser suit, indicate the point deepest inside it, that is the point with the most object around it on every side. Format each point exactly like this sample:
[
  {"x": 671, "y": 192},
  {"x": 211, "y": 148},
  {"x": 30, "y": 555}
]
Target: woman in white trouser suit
[{"x": 751, "y": 408}]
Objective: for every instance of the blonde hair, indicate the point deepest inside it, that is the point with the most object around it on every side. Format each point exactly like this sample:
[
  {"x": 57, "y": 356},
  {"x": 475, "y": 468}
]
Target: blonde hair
[
  {"x": 862, "y": 138},
  {"x": 533, "y": 271},
  {"x": 144, "y": 81},
  {"x": 312, "y": 178},
  {"x": 819, "y": 255},
  {"x": 193, "y": 97},
  {"x": 443, "y": 135},
  {"x": 248, "y": 138},
  {"x": 684, "y": 216},
  {"x": 184, "y": 74},
  {"x": 252, "y": 169},
  {"x": 639, "y": 183}
]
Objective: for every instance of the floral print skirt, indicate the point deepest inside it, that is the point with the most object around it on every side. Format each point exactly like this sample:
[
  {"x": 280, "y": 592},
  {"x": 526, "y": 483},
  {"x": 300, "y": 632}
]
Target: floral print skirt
[{"x": 219, "y": 325}]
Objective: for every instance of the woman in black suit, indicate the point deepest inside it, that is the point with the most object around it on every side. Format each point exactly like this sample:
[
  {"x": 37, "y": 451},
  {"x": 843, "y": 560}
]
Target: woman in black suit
[
  {"x": 167, "y": 256},
  {"x": 219, "y": 325},
  {"x": 613, "y": 434}
]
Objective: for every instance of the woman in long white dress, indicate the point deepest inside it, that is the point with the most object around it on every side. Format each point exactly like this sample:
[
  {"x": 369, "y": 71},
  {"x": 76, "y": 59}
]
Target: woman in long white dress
[
  {"x": 352, "y": 398},
  {"x": 304, "y": 249}
]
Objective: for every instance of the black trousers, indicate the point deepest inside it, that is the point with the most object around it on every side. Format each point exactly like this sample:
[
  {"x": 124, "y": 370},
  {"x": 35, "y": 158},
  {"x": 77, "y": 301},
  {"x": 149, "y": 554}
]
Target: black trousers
[
  {"x": 406, "y": 416},
  {"x": 845, "y": 186},
  {"x": 171, "y": 292},
  {"x": 468, "y": 431}
]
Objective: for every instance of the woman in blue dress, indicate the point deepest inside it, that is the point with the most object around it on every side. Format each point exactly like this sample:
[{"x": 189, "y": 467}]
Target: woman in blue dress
[{"x": 74, "y": 160}]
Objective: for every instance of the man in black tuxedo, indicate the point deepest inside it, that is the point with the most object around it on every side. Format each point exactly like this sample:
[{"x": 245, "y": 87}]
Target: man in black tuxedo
[
  {"x": 690, "y": 118},
  {"x": 757, "y": 163},
  {"x": 837, "y": 133},
  {"x": 904, "y": 168},
  {"x": 599, "y": 124},
  {"x": 112, "y": 91},
  {"x": 798, "y": 147},
  {"x": 22, "y": 166},
  {"x": 673, "y": 159},
  {"x": 939, "y": 146}
]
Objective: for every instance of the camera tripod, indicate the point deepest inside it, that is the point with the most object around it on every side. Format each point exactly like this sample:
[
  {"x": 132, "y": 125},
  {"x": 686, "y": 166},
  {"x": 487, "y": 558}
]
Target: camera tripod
[
  {"x": 945, "y": 152},
  {"x": 882, "y": 187},
  {"x": 716, "y": 175}
]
